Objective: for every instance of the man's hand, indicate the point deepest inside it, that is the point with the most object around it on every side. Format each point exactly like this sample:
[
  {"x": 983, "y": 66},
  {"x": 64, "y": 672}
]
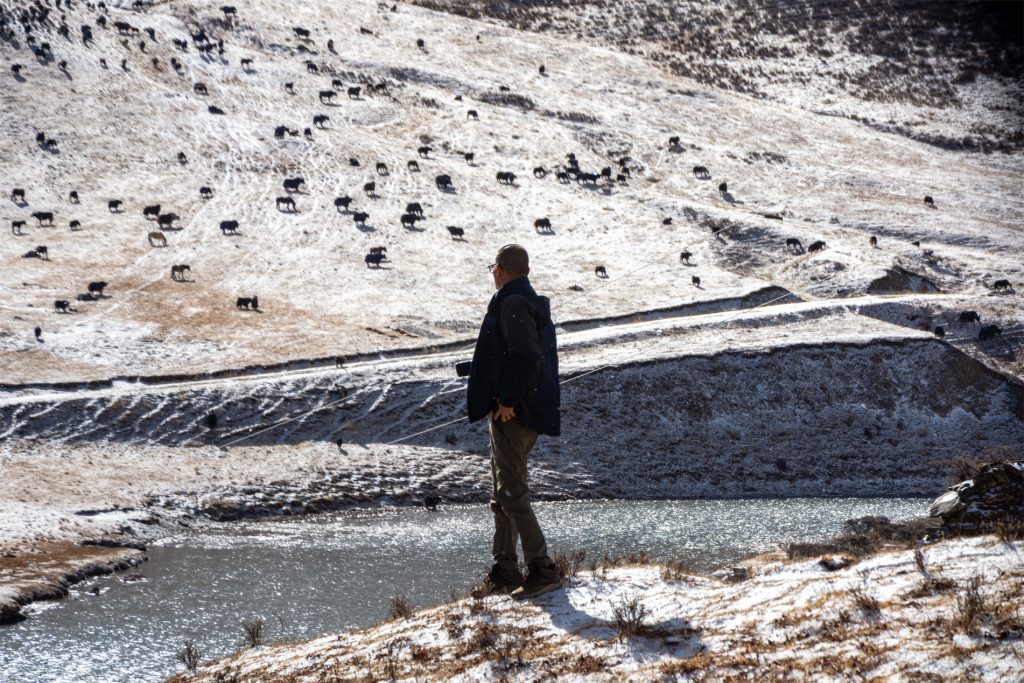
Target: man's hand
[{"x": 504, "y": 413}]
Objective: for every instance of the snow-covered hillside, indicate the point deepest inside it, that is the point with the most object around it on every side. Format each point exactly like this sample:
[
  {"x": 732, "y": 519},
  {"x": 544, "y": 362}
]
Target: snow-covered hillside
[{"x": 118, "y": 131}]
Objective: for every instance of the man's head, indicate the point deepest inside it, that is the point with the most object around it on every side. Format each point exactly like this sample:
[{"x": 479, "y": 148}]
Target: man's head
[{"x": 511, "y": 262}]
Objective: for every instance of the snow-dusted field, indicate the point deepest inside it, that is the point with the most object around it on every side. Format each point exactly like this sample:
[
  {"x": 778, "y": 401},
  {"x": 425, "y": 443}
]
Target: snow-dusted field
[{"x": 118, "y": 134}]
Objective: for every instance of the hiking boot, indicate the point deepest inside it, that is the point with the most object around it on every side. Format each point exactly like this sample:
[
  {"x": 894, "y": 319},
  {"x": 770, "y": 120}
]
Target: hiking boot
[
  {"x": 502, "y": 579},
  {"x": 540, "y": 579}
]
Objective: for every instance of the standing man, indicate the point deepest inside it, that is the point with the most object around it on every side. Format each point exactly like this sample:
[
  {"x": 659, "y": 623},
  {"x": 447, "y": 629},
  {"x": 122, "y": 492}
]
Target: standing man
[{"x": 513, "y": 381}]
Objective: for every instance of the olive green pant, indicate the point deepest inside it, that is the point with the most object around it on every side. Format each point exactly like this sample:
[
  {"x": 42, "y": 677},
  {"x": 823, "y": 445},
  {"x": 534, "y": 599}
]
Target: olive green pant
[{"x": 511, "y": 443}]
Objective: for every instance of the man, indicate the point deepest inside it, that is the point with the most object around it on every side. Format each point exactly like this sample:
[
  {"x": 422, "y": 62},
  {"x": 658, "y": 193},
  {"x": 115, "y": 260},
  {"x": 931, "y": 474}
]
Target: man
[{"x": 513, "y": 381}]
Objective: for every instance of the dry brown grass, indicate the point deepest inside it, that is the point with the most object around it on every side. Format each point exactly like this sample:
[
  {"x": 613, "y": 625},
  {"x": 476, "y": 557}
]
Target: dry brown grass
[{"x": 400, "y": 608}]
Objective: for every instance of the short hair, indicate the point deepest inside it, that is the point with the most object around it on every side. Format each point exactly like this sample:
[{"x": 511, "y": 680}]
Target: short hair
[{"x": 514, "y": 260}]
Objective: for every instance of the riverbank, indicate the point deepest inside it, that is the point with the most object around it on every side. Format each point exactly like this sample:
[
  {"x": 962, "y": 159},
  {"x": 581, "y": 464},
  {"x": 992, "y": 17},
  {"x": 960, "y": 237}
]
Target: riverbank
[{"x": 949, "y": 611}]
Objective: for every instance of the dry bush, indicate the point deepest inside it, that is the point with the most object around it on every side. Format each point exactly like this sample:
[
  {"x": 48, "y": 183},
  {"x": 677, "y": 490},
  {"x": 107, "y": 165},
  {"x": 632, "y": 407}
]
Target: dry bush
[
  {"x": 569, "y": 563},
  {"x": 969, "y": 606},
  {"x": 864, "y": 601},
  {"x": 586, "y": 664},
  {"x": 189, "y": 656},
  {"x": 931, "y": 587},
  {"x": 1010, "y": 529},
  {"x": 401, "y": 608},
  {"x": 675, "y": 568},
  {"x": 629, "y": 615},
  {"x": 253, "y": 632}
]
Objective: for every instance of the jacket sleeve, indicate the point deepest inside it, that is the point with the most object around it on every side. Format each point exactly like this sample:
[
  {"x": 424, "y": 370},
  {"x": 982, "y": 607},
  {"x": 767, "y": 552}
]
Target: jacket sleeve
[{"x": 522, "y": 342}]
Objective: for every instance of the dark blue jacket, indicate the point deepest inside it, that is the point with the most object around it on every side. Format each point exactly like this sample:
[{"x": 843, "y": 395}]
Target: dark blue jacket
[{"x": 516, "y": 360}]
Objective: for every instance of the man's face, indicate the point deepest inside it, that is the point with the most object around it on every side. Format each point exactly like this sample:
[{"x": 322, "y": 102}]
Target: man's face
[{"x": 497, "y": 272}]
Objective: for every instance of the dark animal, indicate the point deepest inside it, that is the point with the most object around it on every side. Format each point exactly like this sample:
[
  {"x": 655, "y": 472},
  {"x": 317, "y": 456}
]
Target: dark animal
[
  {"x": 916, "y": 243},
  {"x": 290, "y": 87},
  {"x": 939, "y": 331},
  {"x": 182, "y": 159},
  {"x": 51, "y": 144},
  {"x": 16, "y": 69},
  {"x": 73, "y": 197},
  {"x": 684, "y": 257},
  {"x": 182, "y": 45},
  {"x": 456, "y": 232},
  {"x": 215, "y": 110},
  {"x": 365, "y": 31},
  {"x": 606, "y": 172},
  {"x": 280, "y": 131},
  {"x": 542, "y": 224},
  {"x": 353, "y": 92},
  {"x": 379, "y": 250},
  {"x": 293, "y": 184},
  {"x": 62, "y": 306},
  {"x": 409, "y": 220},
  {"x": 424, "y": 152},
  {"x": 18, "y": 195},
  {"x": 312, "y": 68},
  {"x": 873, "y": 241},
  {"x": 326, "y": 95},
  {"x": 816, "y": 246},
  {"x": 301, "y": 32},
  {"x": 200, "y": 89},
  {"x": 600, "y": 271},
  {"x": 205, "y": 192},
  {"x": 74, "y": 225},
  {"x": 695, "y": 281},
  {"x": 330, "y": 46},
  {"x": 562, "y": 176},
  {"x": 443, "y": 182},
  {"x": 414, "y": 208},
  {"x": 43, "y": 216},
  {"x": 320, "y": 119},
  {"x": 382, "y": 168},
  {"x": 970, "y": 317},
  {"x": 337, "y": 83},
  {"x": 360, "y": 217},
  {"x": 342, "y": 203},
  {"x": 246, "y": 64},
  {"x": 471, "y": 114},
  {"x": 928, "y": 201},
  {"x": 178, "y": 272},
  {"x": 16, "y": 227},
  {"x": 431, "y": 502},
  {"x": 353, "y": 161},
  {"x": 413, "y": 165},
  {"x": 370, "y": 188},
  {"x": 229, "y": 227},
  {"x": 701, "y": 172},
  {"x": 165, "y": 220},
  {"x": 469, "y": 156},
  {"x": 228, "y": 11},
  {"x": 308, "y": 133},
  {"x": 96, "y": 288},
  {"x": 157, "y": 239},
  {"x": 287, "y": 202},
  {"x": 620, "y": 178},
  {"x": 673, "y": 142},
  {"x": 794, "y": 244},
  {"x": 583, "y": 178},
  {"x": 1001, "y": 284},
  {"x": 248, "y": 303},
  {"x": 506, "y": 177},
  {"x": 989, "y": 332},
  {"x": 41, "y": 138},
  {"x": 722, "y": 188},
  {"x": 420, "y": 44},
  {"x": 373, "y": 259},
  {"x": 541, "y": 70},
  {"x": 39, "y": 333},
  {"x": 539, "y": 172}
]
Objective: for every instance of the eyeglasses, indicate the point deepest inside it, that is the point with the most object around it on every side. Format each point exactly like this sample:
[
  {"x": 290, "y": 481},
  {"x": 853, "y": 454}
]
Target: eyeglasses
[{"x": 490, "y": 268}]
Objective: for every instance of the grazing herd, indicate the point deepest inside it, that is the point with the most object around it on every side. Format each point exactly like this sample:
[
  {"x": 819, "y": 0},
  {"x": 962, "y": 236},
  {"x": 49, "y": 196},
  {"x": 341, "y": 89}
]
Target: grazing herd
[{"x": 286, "y": 203}]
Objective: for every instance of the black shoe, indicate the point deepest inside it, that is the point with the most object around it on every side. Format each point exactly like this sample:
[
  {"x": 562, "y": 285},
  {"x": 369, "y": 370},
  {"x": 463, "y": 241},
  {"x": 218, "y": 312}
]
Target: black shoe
[
  {"x": 540, "y": 579},
  {"x": 502, "y": 579}
]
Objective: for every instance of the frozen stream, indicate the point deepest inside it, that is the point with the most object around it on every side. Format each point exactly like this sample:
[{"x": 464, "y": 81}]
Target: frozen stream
[{"x": 307, "y": 576}]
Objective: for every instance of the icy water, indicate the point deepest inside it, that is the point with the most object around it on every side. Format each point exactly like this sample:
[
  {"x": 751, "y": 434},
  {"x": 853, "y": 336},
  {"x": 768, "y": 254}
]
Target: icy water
[{"x": 309, "y": 576}]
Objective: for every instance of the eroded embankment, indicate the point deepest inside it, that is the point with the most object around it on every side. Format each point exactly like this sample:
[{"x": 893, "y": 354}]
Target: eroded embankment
[{"x": 845, "y": 419}]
